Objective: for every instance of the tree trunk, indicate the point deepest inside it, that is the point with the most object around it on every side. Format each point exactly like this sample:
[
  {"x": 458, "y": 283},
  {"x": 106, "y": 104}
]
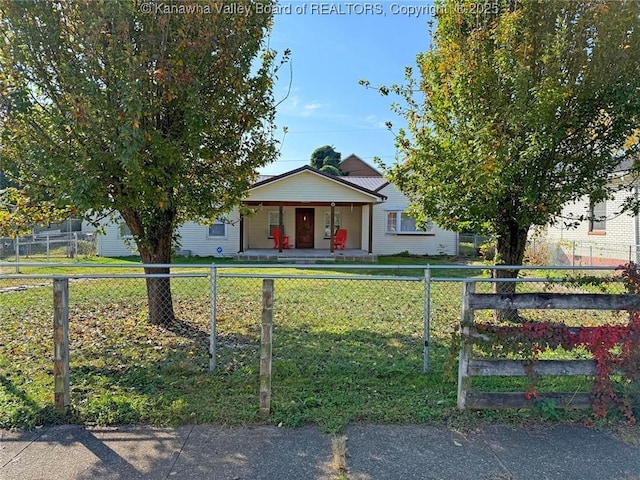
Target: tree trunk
[
  {"x": 510, "y": 249},
  {"x": 159, "y": 295},
  {"x": 160, "y": 299},
  {"x": 156, "y": 249}
]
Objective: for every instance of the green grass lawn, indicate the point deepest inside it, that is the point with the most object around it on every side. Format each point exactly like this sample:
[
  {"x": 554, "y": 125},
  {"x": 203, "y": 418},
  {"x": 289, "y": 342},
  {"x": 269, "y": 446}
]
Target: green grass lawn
[{"x": 344, "y": 350}]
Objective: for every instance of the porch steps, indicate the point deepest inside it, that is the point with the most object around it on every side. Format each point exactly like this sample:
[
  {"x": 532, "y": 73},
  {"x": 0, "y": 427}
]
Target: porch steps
[
  {"x": 306, "y": 259},
  {"x": 305, "y": 256},
  {"x": 302, "y": 259}
]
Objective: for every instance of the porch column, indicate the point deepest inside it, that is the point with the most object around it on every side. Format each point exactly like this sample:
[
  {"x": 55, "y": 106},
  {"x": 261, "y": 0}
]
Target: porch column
[
  {"x": 280, "y": 226},
  {"x": 241, "y": 234},
  {"x": 370, "y": 228},
  {"x": 332, "y": 227}
]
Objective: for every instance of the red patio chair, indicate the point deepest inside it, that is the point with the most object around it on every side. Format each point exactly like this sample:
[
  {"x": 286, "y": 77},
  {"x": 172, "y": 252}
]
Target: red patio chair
[
  {"x": 340, "y": 240},
  {"x": 276, "y": 239}
]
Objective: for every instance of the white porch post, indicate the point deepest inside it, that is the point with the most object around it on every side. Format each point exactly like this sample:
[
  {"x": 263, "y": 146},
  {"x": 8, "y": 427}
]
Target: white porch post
[
  {"x": 280, "y": 227},
  {"x": 370, "y": 228},
  {"x": 241, "y": 234},
  {"x": 332, "y": 227}
]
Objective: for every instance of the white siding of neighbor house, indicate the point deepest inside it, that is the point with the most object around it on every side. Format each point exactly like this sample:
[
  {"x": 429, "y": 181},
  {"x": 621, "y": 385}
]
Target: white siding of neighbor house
[
  {"x": 111, "y": 244},
  {"x": 619, "y": 236},
  {"x": 309, "y": 187},
  {"x": 441, "y": 242}
]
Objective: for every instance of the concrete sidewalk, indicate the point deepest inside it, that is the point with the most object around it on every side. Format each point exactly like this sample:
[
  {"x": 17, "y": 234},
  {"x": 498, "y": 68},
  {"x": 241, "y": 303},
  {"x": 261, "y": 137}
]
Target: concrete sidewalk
[{"x": 372, "y": 452}]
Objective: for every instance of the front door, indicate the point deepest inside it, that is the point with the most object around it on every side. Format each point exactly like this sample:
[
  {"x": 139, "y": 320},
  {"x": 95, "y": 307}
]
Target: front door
[{"x": 304, "y": 227}]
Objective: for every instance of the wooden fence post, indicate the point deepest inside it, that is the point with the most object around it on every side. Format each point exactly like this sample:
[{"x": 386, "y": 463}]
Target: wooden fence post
[
  {"x": 464, "y": 380},
  {"x": 265, "y": 347},
  {"x": 62, "y": 398}
]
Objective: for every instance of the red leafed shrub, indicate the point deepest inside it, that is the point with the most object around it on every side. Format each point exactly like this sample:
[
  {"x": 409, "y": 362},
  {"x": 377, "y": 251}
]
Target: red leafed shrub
[{"x": 615, "y": 348}]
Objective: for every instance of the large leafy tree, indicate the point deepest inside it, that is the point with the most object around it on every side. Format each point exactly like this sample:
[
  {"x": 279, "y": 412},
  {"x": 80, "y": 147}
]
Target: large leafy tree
[
  {"x": 161, "y": 114},
  {"x": 519, "y": 109},
  {"x": 327, "y": 160}
]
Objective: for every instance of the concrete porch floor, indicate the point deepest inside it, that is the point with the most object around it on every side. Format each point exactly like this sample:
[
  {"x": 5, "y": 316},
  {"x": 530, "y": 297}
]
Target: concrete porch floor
[{"x": 306, "y": 255}]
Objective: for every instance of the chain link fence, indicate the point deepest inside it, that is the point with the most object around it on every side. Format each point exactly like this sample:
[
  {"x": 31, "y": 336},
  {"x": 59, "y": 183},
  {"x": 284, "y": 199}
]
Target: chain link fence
[
  {"x": 355, "y": 321},
  {"x": 579, "y": 253},
  {"x": 551, "y": 252},
  {"x": 473, "y": 244},
  {"x": 45, "y": 247},
  {"x": 370, "y": 314}
]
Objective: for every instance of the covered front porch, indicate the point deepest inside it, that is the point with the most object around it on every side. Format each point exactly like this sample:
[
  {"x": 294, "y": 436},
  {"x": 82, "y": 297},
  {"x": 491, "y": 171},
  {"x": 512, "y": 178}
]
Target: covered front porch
[
  {"x": 306, "y": 208},
  {"x": 306, "y": 226}
]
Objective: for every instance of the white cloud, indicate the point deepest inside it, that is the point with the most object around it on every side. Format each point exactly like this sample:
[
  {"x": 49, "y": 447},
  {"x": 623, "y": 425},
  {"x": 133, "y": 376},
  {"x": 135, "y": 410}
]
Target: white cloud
[
  {"x": 310, "y": 108},
  {"x": 375, "y": 122}
]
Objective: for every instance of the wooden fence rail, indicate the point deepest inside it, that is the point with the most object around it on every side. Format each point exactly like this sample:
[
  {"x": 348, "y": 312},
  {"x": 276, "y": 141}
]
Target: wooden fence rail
[{"x": 474, "y": 367}]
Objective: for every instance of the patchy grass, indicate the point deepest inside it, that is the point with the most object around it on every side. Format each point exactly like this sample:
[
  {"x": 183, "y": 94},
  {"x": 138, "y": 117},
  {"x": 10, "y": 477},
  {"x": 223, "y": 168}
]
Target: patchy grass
[{"x": 344, "y": 350}]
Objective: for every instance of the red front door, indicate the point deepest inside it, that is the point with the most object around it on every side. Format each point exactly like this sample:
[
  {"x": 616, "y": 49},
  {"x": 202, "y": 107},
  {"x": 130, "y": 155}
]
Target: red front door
[{"x": 304, "y": 227}]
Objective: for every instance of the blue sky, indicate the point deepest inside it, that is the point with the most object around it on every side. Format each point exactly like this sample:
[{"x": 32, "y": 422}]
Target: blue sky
[{"x": 332, "y": 48}]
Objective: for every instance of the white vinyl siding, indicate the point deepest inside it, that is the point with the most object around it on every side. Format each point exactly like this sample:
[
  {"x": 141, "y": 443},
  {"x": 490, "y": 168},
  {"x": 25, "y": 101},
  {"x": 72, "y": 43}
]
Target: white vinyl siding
[
  {"x": 310, "y": 187},
  {"x": 193, "y": 237},
  {"x": 388, "y": 243}
]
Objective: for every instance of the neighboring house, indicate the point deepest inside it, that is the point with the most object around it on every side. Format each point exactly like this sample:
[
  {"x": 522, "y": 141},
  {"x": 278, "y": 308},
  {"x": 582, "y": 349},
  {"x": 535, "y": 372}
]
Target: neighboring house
[
  {"x": 363, "y": 202},
  {"x": 606, "y": 236}
]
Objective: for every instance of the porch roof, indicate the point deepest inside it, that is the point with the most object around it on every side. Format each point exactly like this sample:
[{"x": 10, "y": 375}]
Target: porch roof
[{"x": 306, "y": 184}]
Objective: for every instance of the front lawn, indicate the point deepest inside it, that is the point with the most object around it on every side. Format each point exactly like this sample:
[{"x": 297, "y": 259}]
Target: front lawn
[{"x": 345, "y": 350}]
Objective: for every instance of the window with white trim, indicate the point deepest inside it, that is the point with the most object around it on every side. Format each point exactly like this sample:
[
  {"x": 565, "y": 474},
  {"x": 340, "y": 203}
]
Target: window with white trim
[
  {"x": 337, "y": 221},
  {"x": 598, "y": 216},
  {"x": 217, "y": 229},
  {"x": 399, "y": 222},
  {"x": 274, "y": 222}
]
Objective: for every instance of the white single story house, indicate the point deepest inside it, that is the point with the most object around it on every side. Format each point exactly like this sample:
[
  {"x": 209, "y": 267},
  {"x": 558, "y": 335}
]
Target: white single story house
[
  {"x": 607, "y": 236},
  {"x": 303, "y": 201}
]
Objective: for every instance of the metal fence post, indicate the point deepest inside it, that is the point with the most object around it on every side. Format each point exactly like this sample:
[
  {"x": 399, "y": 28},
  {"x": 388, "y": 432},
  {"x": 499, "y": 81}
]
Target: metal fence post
[
  {"x": 427, "y": 316},
  {"x": 212, "y": 338},
  {"x": 62, "y": 398},
  {"x": 17, "y": 252},
  {"x": 266, "y": 347},
  {"x": 48, "y": 247},
  {"x": 75, "y": 244}
]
